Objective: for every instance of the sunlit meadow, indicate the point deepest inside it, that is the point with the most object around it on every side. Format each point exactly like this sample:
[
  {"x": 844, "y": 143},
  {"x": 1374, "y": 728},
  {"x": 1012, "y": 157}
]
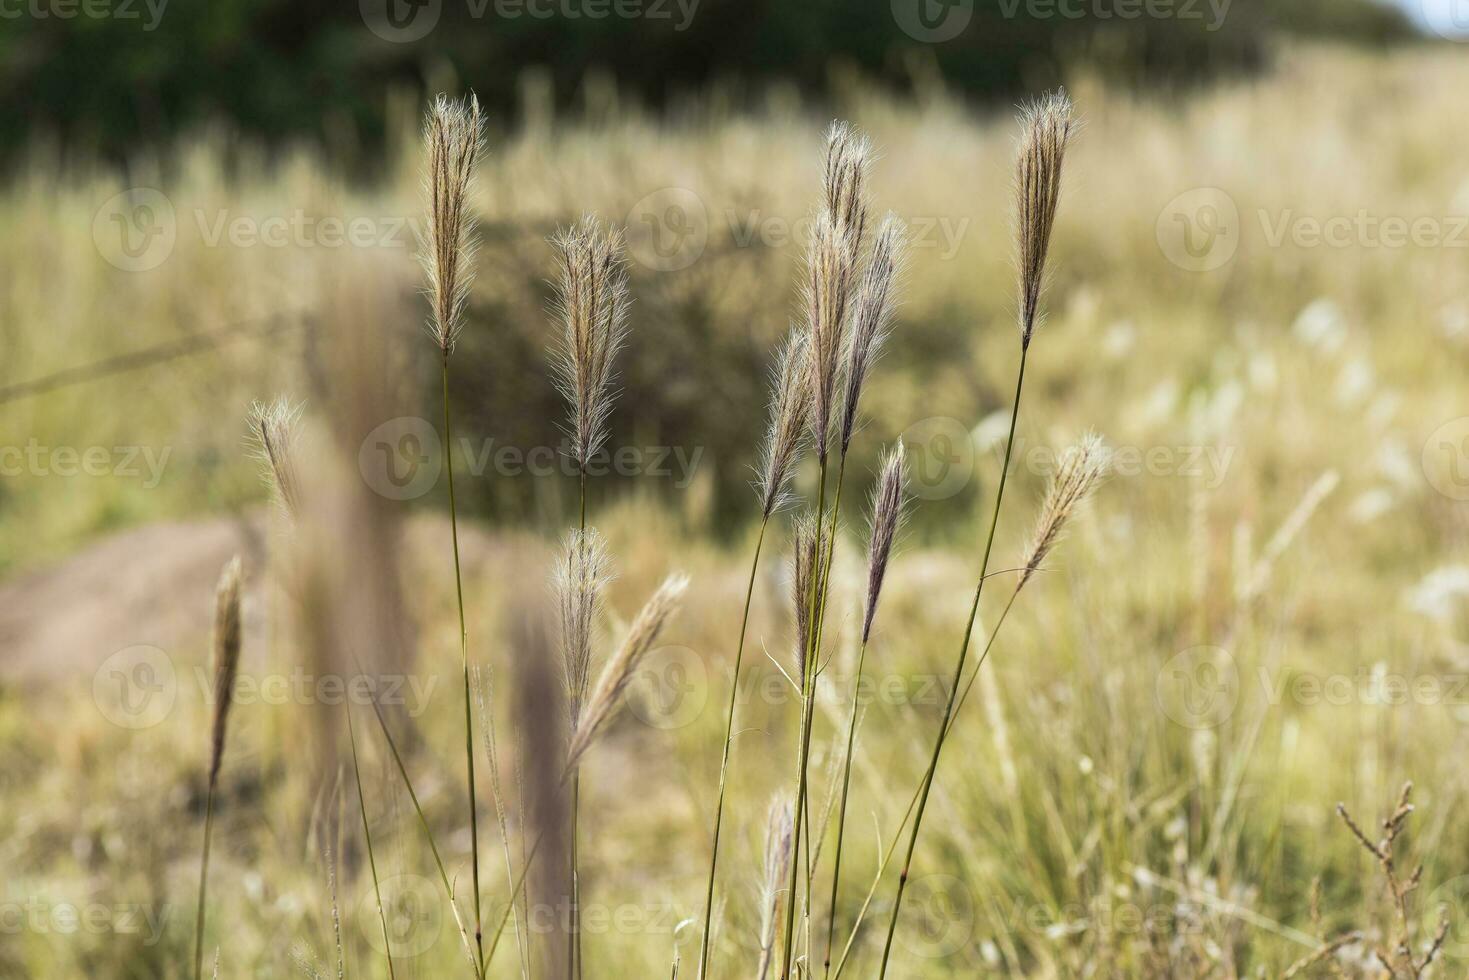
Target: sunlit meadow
[{"x": 1258, "y": 296}]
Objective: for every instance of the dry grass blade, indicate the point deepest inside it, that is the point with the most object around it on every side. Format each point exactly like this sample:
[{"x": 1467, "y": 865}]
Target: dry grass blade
[
  {"x": 1397, "y": 958},
  {"x": 371, "y": 856},
  {"x": 620, "y": 668},
  {"x": 1082, "y": 468},
  {"x": 580, "y": 578},
  {"x": 274, "y": 429},
  {"x": 1047, "y": 127},
  {"x": 872, "y": 316},
  {"x": 591, "y": 303},
  {"x": 454, "y": 136},
  {"x": 779, "y": 842},
  {"x": 790, "y": 404},
  {"x": 484, "y": 702}
]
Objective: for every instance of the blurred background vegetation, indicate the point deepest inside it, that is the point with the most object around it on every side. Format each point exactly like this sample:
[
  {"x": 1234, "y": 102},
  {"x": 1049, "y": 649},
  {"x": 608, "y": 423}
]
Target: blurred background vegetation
[
  {"x": 264, "y": 106},
  {"x": 282, "y": 70},
  {"x": 1325, "y": 544}
]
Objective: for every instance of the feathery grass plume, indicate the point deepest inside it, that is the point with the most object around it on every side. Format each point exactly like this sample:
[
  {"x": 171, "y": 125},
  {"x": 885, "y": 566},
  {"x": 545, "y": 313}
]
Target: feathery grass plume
[
  {"x": 779, "y": 842},
  {"x": 803, "y": 566},
  {"x": 790, "y": 403},
  {"x": 831, "y": 266},
  {"x": 226, "y": 666},
  {"x": 844, "y": 183},
  {"x": 830, "y": 270},
  {"x": 1048, "y": 125},
  {"x": 580, "y": 577},
  {"x": 591, "y": 301},
  {"x": 619, "y": 670},
  {"x": 274, "y": 428},
  {"x": 454, "y": 135},
  {"x": 889, "y": 498},
  {"x": 872, "y": 315},
  {"x": 1082, "y": 468}
]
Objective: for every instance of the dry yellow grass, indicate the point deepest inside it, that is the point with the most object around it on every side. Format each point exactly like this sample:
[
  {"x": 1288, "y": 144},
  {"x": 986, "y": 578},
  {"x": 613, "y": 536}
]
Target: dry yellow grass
[{"x": 1262, "y": 613}]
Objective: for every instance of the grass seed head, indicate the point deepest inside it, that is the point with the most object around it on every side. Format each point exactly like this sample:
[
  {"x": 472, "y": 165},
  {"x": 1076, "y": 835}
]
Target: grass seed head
[
  {"x": 226, "y": 658},
  {"x": 454, "y": 136},
  {"x": 1047, "y": 128},
  {"x": 805, "y": 535},
  {"x": 580, "y": 580},
  {"x": 620, "y": 669},
  {"x": 1082, "y": 468},
  {"x": 872, "y": 315},
  {"x": 274, "y": 430},
  {"x": 790, "y": 403},
  {"x": 889, "y": 500},
  {"x": 832, "y": 259},
  {"x": 591, "y": 303}
]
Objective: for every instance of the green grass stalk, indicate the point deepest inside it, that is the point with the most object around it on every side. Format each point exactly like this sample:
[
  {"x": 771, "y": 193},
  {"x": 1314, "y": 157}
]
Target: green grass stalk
[
  {"x": 464, "y": 655},
  {"x": 423, "y": 821},
  {"x": 724, "y": 760},
  {"x": 913, "y": 802},
  {"x": 203, "y": 882},
  {"x": 808, "y": 684},
  {"x": 573, "y": 938},
  {"x": 938, "y": 745},
  {"x": 367, "y": 834}
]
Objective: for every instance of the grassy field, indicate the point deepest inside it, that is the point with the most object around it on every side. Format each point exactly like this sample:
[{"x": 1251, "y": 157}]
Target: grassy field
[{"x": 1258, "y": 298}]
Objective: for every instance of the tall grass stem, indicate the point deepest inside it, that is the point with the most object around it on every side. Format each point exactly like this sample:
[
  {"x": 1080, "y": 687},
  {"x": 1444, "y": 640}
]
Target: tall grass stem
[
  {"x": 464, "y": 655},
  {"x": 938, "y": 745},
  {"x": 724, "y": 760}
]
